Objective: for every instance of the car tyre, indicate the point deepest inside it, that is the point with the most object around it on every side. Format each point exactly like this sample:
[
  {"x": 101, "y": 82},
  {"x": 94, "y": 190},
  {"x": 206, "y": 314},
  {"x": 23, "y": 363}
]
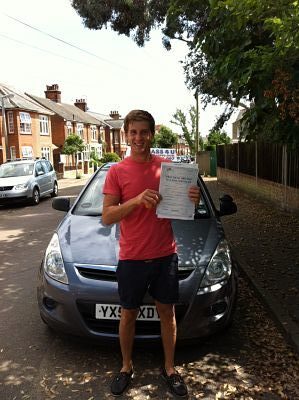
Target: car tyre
[
  {"x": 55, "y": 190},
  {"x": 35, "y": 197}
]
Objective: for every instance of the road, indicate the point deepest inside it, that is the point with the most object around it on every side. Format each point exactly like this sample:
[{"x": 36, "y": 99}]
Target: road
[{"x": 249, "y": 361}]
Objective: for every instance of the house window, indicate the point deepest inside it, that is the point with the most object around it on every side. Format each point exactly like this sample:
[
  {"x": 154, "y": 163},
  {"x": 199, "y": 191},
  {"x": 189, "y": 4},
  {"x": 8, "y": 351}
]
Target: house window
[
  {"x": 25, "y": 122},
  {"x": 86, "y": 154},
  {"x": 45, "y": 152},
  {"x": 69, "y": 128},
  {"x": 102, "y": 134},
  {"x": 10, "y": 122},
  {"x": 13, "y": 154},
  {"x": 80, "y": 130},
  {"x": 93, "y": 130},
  {"x": 27, "y": 152},
  {"x": 43, "y": 125}
]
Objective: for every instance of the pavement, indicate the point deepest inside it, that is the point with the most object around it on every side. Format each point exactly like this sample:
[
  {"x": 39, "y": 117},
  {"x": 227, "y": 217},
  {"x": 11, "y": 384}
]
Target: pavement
[
  {"x": 70, "y": 182},
  {"x": 265, "y": 242}
]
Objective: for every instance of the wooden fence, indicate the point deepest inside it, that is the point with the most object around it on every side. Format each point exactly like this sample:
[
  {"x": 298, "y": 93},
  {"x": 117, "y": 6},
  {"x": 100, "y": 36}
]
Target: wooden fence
[
  {"x": 273, "y": 162},
  {"x": 269, "y": 171}
]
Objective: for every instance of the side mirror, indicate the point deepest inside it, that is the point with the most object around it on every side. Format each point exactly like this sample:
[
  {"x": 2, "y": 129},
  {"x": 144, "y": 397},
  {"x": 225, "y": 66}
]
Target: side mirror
[
  {"x": 61, "y": 204},
  {"x": 227, "y": 205}
]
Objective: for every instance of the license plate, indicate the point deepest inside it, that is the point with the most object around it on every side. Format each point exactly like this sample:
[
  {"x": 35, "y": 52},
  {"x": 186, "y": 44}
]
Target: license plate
[
  {"x": 113, "y": 311},
  {"x": 3, "y": 195}
]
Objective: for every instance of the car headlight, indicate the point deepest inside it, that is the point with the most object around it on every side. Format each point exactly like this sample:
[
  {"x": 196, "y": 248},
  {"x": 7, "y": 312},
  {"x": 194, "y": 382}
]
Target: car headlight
[
  {"x": 21, "y": 186},
  {"x": 220, "y": 266},
  {"x": 53, "y": 262}
]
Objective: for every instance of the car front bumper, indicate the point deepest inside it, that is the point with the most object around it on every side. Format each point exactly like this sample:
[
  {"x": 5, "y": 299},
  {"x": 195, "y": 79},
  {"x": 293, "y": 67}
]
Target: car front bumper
[
  {"x": 71, "y": 309},
  {"x": 14, "y": 196}
]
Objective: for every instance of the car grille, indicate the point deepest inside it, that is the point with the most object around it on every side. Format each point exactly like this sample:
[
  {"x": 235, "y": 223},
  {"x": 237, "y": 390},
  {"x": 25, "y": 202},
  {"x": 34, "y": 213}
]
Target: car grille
[
  {"x": 108, "y": 274},
  {"x": 151, "y": 328},
  {"x": 97, "y": 273},
  {"x": 3, "y": 188}
]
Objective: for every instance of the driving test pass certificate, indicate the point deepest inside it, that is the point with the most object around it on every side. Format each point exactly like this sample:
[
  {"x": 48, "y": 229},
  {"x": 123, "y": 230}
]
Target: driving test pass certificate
[{"x": 175, "y": 181}]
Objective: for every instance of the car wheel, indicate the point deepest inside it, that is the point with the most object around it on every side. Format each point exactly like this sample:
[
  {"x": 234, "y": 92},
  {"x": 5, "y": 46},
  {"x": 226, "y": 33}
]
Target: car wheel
[
  {"x": 55, "y": 190},
  {"x": 35, "y": 196}
]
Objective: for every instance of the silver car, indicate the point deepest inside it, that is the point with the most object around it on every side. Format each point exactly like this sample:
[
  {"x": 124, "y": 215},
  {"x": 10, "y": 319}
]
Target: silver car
[
  {"x": 27, "y": 180},
  {"x": 77, "y": 287}
]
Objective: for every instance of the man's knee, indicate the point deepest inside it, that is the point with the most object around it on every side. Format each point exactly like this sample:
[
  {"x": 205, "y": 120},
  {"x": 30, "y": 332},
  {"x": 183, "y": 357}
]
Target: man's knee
[
  {"x": 165, "y": 311},
  {"x": 128, "y": 316}
]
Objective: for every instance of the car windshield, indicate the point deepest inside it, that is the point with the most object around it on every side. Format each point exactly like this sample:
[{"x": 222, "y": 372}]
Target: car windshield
[
  {"x": 91, "y": 201},
  {"x": 11, "y": 170}
]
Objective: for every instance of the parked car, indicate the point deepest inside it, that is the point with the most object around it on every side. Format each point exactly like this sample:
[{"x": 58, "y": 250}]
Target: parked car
[
  {"x": 77, "y": 287},
  {"x": 27, "y": 180}
]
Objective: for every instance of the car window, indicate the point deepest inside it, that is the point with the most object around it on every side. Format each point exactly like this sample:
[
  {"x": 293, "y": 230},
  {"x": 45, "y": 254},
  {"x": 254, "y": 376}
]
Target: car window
[
  {"x": 39, "y": 168},
  {"x": 11, "y": 170},
  {"x": 50, "y": 167},
  {"x": 91, "y": 201},
  {"x": 45, "y": 166},
  {"x": 202, "y": 210}
]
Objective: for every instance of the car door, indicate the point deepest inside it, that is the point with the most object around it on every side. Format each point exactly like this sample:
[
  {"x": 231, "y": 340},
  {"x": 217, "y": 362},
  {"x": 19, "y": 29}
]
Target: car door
[
  {"x": 48, "y": 176},
  {"x": 41, "y": 178}
]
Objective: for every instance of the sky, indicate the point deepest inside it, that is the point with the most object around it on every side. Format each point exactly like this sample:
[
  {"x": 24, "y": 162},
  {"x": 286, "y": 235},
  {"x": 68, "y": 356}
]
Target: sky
[{"x": 108, "y": 70}]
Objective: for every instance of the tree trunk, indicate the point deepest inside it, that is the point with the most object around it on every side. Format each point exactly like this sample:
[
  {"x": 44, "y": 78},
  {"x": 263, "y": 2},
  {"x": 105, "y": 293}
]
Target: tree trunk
[{"x": 76, "y": 161}]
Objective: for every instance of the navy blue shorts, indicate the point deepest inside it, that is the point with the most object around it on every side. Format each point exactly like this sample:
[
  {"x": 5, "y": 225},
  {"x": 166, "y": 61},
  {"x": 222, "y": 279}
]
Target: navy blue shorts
[{"x": 159, "y": 276}]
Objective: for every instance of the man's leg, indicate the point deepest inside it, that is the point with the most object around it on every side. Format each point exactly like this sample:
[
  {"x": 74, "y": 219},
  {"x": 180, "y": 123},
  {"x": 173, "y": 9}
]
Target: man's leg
[
  {"x": 126, "y": 337},
  {"x": 168, "y": 333}
]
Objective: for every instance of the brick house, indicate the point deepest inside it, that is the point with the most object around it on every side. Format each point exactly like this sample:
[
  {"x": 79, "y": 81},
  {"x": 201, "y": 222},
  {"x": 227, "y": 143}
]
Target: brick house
[
  {"x": 115, "y": 140},
  {"x": 68, "y": 119},
  {"x": 27, "y": 128}
]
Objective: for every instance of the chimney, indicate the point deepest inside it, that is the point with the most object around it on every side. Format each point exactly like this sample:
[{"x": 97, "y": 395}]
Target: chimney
[
  {"x": 114, "y": 114},
  {"x": 81, "y": 103},
  {"x": 53, "y": 93}
]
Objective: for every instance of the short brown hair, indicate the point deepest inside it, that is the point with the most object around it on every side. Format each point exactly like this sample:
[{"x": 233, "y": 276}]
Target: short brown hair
[{"x": 139, "y": 115}]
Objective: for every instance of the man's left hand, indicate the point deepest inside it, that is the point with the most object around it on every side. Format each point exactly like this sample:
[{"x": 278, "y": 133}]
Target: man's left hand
[{"x": 194, "y": 194}]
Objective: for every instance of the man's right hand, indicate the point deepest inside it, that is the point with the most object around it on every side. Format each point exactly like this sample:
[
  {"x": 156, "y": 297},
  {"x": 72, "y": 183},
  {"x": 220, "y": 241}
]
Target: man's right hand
[
  {"x": 149, "y": 198},
  {"x": 114, "y": 212}
]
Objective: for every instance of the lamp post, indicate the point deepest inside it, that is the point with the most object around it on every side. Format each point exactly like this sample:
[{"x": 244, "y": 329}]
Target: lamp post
[
  {"x": 4, "y": 126},
  {"x": 197, "y": 122}
]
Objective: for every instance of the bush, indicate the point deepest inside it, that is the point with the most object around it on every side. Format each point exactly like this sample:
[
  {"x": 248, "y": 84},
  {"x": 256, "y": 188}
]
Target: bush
[
  {"x": 209, "y": 147},
  {"x": 110, "y": 157}
]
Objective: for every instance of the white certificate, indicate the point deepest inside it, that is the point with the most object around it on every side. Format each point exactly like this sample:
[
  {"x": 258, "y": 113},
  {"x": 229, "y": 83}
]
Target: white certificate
[{"x": 175, "y": 182}]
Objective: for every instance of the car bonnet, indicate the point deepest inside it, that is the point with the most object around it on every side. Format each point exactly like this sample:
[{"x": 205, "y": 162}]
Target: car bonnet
[{"x": 85, "y": 240}]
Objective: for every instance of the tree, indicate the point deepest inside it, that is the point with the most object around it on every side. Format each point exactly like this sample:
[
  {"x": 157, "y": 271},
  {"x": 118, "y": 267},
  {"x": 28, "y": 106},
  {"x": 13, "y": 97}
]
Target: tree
[
  {"x": 165, "y": 138},
  {"x": 217, "y": 137},
  {"x": 94, "y": 159},
  {"x": 72, "y": 146},
  {"x": 236, "y": 49},
  {"x": 110, "y": 157},
  {"x": 188, "y": 126}
]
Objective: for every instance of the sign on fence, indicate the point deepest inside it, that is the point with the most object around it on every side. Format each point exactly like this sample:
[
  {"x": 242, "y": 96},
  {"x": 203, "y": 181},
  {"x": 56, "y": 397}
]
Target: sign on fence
[{"x": 169, "y": 154}]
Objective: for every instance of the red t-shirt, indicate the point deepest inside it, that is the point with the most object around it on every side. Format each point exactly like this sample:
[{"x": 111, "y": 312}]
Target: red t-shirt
[{"x": 142, "y": 235}]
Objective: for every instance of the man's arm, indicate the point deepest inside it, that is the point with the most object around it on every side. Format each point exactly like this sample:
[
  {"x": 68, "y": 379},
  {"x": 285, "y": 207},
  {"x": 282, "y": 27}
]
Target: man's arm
[{"x": 114, "y": 212}]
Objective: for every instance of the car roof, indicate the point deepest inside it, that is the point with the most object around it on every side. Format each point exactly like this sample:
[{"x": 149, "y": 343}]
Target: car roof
[{"x": 25, "y": 161}]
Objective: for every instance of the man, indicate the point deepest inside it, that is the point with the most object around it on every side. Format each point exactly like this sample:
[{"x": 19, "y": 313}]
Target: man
[{"x": 147, "y": 258}]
